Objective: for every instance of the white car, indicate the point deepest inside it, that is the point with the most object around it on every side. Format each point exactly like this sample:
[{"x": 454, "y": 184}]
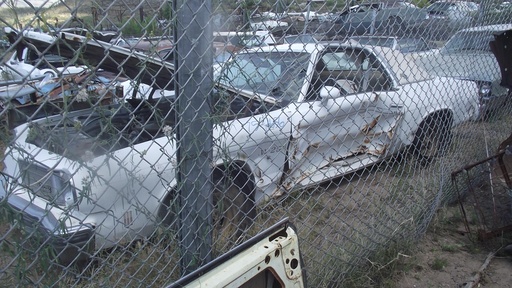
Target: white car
[
  {"x": 288, "y": 116},
  {"x": 31, "y": 64},
  {"x": 456, "y": 13}
]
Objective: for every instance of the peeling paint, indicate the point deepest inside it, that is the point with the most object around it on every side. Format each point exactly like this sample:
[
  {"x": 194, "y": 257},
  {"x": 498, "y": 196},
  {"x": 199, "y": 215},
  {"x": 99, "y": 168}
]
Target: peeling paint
[
  {"x": 361, "y": 149},
  {"x": 368, "y": 127},
  {"x": 391, "y": 133},
  {"x": 379, "y": 152},
  {"x": 257, "y": 172}
]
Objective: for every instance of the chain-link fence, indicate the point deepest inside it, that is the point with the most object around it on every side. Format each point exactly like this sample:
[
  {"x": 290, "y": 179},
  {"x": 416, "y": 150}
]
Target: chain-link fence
[{"x": 142, "y": 139}]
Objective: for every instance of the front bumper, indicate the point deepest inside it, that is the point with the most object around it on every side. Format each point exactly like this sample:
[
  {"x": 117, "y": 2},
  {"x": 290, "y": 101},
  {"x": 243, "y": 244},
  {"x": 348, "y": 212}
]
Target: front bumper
[{"x": 69, "y": 244}]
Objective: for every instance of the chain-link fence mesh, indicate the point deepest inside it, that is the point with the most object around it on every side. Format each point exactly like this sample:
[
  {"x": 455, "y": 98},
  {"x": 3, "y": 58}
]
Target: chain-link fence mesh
[{"x": 142, "y": 139}]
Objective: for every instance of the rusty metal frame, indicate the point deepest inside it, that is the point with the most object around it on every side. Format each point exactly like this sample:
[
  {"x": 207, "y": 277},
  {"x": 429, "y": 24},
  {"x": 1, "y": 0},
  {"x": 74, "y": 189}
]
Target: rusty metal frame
[{"x": 497, "y": 172}]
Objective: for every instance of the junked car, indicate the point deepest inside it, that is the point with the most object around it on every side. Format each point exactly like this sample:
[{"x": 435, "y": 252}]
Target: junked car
[
  {"x": 406, "y": 45},
  {"x": 447, "y": 17},
  {"x": 287, "y": 116},
  {"x": 27, "y": 62},
  {"x": 453, "y": 13},
  {"x": 41, "y": 98},
  {"x": 392, "y": 16},
  {"x": 467, "y": 55},
  {"x": 22, "y": 100}
]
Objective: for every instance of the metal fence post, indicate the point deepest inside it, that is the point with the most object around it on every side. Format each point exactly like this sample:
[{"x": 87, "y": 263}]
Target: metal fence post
[{"x": 193, "y": 60}]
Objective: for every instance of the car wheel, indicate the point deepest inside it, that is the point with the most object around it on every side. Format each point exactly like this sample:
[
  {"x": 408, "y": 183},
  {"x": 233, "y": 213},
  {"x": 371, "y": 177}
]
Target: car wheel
[
  {"x": 233, "y": 214},
  {"x": 168, "y": 212},
  {"x": 234, "y": 210},
  {"x": 432, "y": 138}
]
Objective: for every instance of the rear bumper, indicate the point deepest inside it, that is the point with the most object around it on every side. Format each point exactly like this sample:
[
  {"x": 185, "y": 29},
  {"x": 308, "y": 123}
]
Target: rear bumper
[{"x": 490, "y": 104}]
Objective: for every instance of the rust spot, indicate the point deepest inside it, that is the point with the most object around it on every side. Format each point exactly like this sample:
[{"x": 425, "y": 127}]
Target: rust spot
[
  {"x": 368, "y": 127},
  {"x": 312, "y": 146},
  {"x": 378, "y": 152},
  {"x": 306, "y": 152},
  {"x": 390, "y": 133},
  {"x": 361, "y": 149}
]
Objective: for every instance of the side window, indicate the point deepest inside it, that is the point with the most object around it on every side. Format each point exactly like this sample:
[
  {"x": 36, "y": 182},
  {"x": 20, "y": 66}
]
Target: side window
[
  {"x": 341, "y": 68},
  {"x": 356, "y": 69},
  {"x": 374, "y": 76}
]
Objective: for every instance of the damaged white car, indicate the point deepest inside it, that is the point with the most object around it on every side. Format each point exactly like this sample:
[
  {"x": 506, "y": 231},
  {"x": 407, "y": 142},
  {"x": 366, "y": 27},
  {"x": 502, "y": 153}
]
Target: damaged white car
[{"x": 287, "y": 116}]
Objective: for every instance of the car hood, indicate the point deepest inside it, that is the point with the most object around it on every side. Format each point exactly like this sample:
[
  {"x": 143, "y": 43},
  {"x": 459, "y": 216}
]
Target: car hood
[
  {"x": 501, "y": 47},
  {"x": 472, "y": 66}
]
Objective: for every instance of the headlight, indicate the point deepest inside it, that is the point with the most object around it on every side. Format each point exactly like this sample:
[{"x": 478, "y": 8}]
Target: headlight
[
  {"x": 52, "y": 185},
  {"x": 484, "y": 89}
]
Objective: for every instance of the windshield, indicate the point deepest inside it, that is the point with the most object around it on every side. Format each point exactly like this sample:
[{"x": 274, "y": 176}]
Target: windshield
[
  {"x": 469, "y": 41},
  {"x": 277, "y": 74}
]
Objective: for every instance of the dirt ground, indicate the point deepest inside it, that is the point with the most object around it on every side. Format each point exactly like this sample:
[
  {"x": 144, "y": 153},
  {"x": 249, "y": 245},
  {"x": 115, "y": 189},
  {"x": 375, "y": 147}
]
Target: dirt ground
[{"x": 448, "y": 257}]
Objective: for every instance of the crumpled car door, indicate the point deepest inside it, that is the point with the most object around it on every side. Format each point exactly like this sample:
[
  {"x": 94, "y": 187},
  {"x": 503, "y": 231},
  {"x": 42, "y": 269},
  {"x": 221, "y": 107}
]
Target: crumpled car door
[
  {"x": 342, "y": 135},
  {"x": 334, "y": 136}
]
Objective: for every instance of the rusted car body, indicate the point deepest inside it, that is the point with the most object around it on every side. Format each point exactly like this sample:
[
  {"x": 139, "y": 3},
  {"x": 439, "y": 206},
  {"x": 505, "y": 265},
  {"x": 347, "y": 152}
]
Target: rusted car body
[{"x": 370, "y": 17}]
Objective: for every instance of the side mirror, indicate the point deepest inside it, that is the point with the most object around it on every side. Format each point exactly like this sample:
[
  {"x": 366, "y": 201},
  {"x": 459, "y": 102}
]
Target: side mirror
[{"x": 329, "y": 92}]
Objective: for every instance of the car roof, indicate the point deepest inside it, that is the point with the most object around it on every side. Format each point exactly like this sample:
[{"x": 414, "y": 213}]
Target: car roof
[{"x": 404, "y": 68}]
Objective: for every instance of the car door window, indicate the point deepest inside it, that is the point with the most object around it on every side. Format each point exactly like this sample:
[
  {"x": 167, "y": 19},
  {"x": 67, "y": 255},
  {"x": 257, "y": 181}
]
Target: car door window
[
  {"x": 359, "y": 67},
  {"x": 337, "y": 67},
  {"x": 374, "y": 76}
]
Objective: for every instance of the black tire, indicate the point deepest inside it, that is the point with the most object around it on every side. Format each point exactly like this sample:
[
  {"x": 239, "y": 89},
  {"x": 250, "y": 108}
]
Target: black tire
[
  {"x": 168, "y": 212},
  {"x": 432, "y": 138},
  {"x": 234, "y": 208}
]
